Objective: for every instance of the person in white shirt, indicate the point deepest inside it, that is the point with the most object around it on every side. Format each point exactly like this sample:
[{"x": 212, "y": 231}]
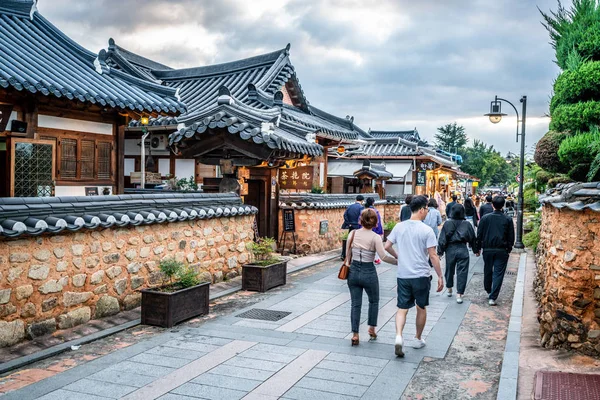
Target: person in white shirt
[{"x": 416, "y": 244}]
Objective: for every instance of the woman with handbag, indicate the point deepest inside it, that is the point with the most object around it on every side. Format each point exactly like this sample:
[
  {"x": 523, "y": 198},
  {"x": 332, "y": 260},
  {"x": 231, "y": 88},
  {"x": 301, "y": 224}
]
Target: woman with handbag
[
  {"x": 456, "y": 234},
  {"x": 363, "y": 244}
]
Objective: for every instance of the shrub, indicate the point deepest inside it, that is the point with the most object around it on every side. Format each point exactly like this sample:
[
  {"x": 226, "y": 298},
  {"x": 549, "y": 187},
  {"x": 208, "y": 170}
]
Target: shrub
[
  {"x": 546, "y": 152},
  {"x": 262, "y": 250},
  {"x": 179, "y": 276},
  {"x": 579, "y": 172},
  {"x": 530, "y": 199},
  {"x": 575, "y": 117},
  {"x": 579, "y": 85},
  {"x": 388, "y": 226},
  {"x": 344, "y": 235},
  {"x": 579, "y": 149},
  {"x": 532, "y": 239},
  {"x": 552, "y": 182},
  {"x": 317, "y": 189}
]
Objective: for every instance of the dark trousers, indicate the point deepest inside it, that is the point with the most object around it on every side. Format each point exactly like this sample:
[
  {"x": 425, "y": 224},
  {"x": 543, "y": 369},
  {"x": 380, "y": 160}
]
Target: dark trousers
[
  {"x": 495, "y": 261},
  {"x": 457, "y": 260},
  {"x": 363, "y": 276},
  {"x": 344, "y": 247}
]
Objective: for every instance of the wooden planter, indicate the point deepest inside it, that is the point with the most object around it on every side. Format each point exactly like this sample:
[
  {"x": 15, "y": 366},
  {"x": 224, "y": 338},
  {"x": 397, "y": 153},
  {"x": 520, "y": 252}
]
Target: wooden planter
[
  {"x": 260, "y": 278},
  {"x": 167, "y": 309}
]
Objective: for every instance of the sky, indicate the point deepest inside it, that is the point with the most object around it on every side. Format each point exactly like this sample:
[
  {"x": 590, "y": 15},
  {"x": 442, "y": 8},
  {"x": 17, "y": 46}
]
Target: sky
[{"x": 392, "y": 64}]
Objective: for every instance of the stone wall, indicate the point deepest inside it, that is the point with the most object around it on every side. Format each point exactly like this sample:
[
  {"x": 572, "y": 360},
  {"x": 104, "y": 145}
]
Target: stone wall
[
  {"x": 62, "y": 280},
  {"x": 391, "y": 212},
  {"x": 308, "y": 239},
  {"x": 568, "y": 279}
]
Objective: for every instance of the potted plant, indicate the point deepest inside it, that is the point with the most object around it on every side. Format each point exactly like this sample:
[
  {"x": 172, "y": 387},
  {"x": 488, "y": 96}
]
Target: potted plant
[
  {"x": 387, "y": 228},
  {"x": 266, "y": 271},
  {"x": 344, "y": 238},
  {"x": 182, "y": 296}
]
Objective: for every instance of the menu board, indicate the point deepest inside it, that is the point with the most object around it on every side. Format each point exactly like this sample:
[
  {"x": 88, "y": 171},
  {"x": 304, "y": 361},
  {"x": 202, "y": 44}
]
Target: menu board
[{"x": 289, "y": 222}]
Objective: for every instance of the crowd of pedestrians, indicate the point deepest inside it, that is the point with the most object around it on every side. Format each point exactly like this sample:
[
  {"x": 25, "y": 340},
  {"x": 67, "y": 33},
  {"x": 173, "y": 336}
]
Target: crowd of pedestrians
[{"x": 415, "y": 245}]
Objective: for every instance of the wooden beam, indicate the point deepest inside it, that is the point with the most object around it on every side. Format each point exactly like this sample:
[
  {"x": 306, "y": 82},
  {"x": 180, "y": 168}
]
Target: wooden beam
[
  {"x": 120, "y": 133},
  {"x": 31, "y": 118},
  {"x": 172, "y": 164}
]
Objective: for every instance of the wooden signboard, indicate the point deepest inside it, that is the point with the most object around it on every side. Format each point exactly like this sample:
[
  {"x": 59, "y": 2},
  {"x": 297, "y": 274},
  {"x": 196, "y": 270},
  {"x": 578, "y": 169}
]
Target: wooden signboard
[
  {"x": 91, "y": 191},
  {"x": 300, "y": 178},
  {"x": 427, "y": 165},
  {"x": 289, "y": 222},
  {"x": 421, "y": 178}
]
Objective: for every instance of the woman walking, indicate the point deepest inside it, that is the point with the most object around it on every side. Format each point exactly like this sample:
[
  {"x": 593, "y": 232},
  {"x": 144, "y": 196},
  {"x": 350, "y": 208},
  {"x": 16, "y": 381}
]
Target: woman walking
[
  {"x": 363, "y": 244},
  {"x": 433, "y": 218},
  {"x": 456, "y": 234},
  {"x": 378, "y": 229},
  {"x": 471, "y": 212}
]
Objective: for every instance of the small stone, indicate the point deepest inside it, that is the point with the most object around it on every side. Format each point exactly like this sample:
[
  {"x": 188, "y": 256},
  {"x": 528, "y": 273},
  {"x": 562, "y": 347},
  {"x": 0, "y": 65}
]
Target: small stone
[
  {"x": 241, "y": 247},
  {"x": 101, "y": 289},
  {"x": 182, "y": 244},
  {"x": 222, "y": 250},
  {"x": 193, "y": 244},
  {"x": 136, "y": 282},
  {"x": 61, "y": 266},
  {"x": 77, "y": 249},
  {"x": 11, "y": 332},
  {"x": 121, "y": 285},
  {"x": 14, "y": 274},
  {"x": 218, "y": 277},
  {"x": 190, "y": 257},
  {"x": 130, "y": 254},
  {"x": 57, "y": 239},
  {"x": 595, "y": 267},
  {"x": 134, "y": 241},
  {"x": 593, "y": 334},
  {"x": 218, "y": 239},
  {"x": 59, "y": 252},
  {"x": 39, "y": 272},
  {"x": 19, "y": 257},
  {"x": 78, "y": 263},
  {"x": 569, "y": 256},
  {"x": 201, "y": 254},
  {"x": 64, "y": 281},
  {"x": 156, "y": 278},
  {"x": 145, "y": 252},
  {"x": 42, "y": 255},
  {"x": 28, "y": 310},
  {"x": 106, "y": 305},
  {"x": 49, "y": 304},
  {"x": 159, "y": 250},
  {"x": 179, "y": 256},
  {"x": 573, "y": 338},
  {"x": 74, "y": 298},
  {"x": 7, "y": 309},
  {"x": 92, "y": 262},
  {"x": 111, "y": 258},
  {"x": 132, "y": 301},
  {"x": 208, "y": 231},
  {"x": 553, "y": 251},
  {"x": 23, "y": 292},
  {"x": 79, "y": 280},
  {"x": 148, "y": 239},
  {"x": 150, "y": 266},
  {"x": 134, "y": 267},
  {"x": 94, "y": 247},
  {"x": 51, "y": 286},
  {"x": 5, "y": 295},
  {"x": 41, "y": 328},
  {"x": 97, "y": 277},
  {"x": 75, "y": 317},
  {"x": 205, "y": 276},
  {"x": 188, "y": 233},
  {"x": 243, "y": 258},
  {"x": 232, "y": 274},
  {"x": 171, "y": 246},
  {"x": 106, "y": 246},
  {"x": 113, "y": 272},
  {"x": 597, "y": 293},
  {"x": 232, "y": 262}
]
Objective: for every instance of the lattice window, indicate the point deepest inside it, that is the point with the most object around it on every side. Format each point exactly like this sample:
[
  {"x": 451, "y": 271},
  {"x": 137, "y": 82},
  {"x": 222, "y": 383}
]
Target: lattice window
[
  {"x": 87, "y": 158},
  {"x": 33, "y": 169},
  {"x": 68, "y": 158},
  {"x": 104, "y": 160}
]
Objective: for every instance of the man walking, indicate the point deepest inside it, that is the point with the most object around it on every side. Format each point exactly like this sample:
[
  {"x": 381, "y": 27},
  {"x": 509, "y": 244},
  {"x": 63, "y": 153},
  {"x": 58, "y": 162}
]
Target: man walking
[
  {"x": 496, "y": 236},
  {"x": 405, "y": 212},
  {"x": 417, "y": 243},
  {"x": 351, "y": 216},
  {"x": 486, "y": 208},
  {"x": 449, "y": 205}
]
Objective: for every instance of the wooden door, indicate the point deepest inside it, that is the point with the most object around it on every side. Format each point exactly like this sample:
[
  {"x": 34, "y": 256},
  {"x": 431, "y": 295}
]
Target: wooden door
[{"x": 257, "y": 197}]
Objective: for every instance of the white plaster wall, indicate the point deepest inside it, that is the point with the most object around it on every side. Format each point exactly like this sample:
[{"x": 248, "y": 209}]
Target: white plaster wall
[
  {"x": 47, "y": 121},
  {"x": 133, "y": 148},
  {"x": 185, "y": 168},
  {"x": 129, "y": 166},
  {"x": 75, "y": 190},
  {"x": 164, "y": 166}
]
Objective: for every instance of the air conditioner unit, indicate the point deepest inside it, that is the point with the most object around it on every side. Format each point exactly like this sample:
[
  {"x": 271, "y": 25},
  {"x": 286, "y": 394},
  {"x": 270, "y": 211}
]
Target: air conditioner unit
[{"x": 159, "y": 142}]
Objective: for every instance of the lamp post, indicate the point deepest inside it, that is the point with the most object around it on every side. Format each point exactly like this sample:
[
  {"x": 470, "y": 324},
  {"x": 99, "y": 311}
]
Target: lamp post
[
  {"x": 144, "y": 122},
  {"x": 495, "y": 116}
]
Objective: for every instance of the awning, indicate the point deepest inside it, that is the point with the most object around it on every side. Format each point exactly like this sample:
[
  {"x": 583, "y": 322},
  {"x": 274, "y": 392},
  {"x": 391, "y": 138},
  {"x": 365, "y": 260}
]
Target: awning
[
  {"x": 399, "y": 170},
  {"x": 343, "y": 168}
]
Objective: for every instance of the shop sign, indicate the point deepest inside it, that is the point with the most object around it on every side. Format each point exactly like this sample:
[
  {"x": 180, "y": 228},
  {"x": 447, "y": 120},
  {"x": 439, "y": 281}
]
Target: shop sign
[
  {"x": 323, "y": 227},
  {"x": 427, "y": 165},
  {"x": 475, "y": 183},
  {"x": 421, "y": 178},
  {"x": 289, "y": 222},
  {"x": 299, "y": 178}
]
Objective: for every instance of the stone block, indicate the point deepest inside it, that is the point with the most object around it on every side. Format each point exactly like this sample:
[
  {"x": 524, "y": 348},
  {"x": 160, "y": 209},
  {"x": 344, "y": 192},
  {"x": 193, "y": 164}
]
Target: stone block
[
  {"x": 569, "y": 256},
  {"x": 201, "y": 254},
  {"x": 111, "y": 258},
  {"x": 64, "y": 281},
  {"x": 49, "y": 304},
  {"x": 121, "y": 285},
  {"x": 241, "y": 247},
  {"x": 42, "y": 255},
  {"x": 11, "y": 332},
  {"x": 188, "y": 233},
  {"x": 159, "y": 250},
  {"x": 79, "y": 280},
  {"x": 208, "y": 231},
  {"x": 132, "y": 301},
  {"x": 134, "y": 241},
  {"x": 51, "y": 286},
  {"x": 97, "y": 277},
  {"x": 57, "y": 239},
  {"x": 19, "y": 257},
  {"x": 232, "y": 274},
  {"x": 218, "y": 277},
  {"x": 205, "y": 276},
  {"x": 171, "y": 246},
  {"x": 28, "y": 310},
  {"x": 5, "y": 295},
  {"x": 101, "y": 289},
  {"x": 145, "y": 252},
  {"x": 106, "y": 305},
  {"x": 77, "y": 249},
  {"x": 94, "y": 247},
  {"x": 131, "y": 254},
  {"x": 75, "y": 317},
  {"x": 92, "y": 262},
  {"x": 134, "y": 267},
  {"x": 190, "y": 257},
  {"x": 41, "y": 328},
  {"x": 156, "y": 278},
  {"x": 74, "y": 298},
  {"x": 61, "y": 266},
  {"x": 148, "y": 239},
  {"x": 7, "y": 309},
  {"x": 573, "y": 338},
  {"x": 106, "y": 246},
  {"x": 113, "y": 272},
  {"x": 222, "y": 250},
  {"x": 39, "y": 272},
  {"x": 136, "y": 282},
  {"x": 593, "y": 334},
  {"x": 182, "y": 244},
  {"x": 24, "y": 292},
  {"x": 59, "y": 252},
  {"x": 232, "y": 262}
]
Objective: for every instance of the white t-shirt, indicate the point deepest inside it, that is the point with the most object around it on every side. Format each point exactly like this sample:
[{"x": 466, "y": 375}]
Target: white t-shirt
[{"x": 412, "y": 239}]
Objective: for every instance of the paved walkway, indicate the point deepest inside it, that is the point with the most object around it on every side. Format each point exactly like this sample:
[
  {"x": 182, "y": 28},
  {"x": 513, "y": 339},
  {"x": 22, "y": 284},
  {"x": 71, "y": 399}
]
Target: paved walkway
[{"x": 307, "y": 353}]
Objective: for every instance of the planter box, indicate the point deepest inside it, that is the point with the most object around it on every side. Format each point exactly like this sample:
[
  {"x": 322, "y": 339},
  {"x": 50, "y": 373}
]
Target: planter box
[
  {"x": 260, "y": 279},
  {"x": 167, "y": 309}
]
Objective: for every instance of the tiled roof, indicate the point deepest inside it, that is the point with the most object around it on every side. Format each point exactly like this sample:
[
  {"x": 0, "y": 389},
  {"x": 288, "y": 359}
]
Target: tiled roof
[
  {"x": 374, "y": 171},
  {"x": 412, "y": 135},
  {"x": 37, "y": 215},
  {"x": 389, "y": 147},
  {"x": 322, "y": 201},
  {"x": 574, "y": 196},
  {"x": 37, "y": 57}
]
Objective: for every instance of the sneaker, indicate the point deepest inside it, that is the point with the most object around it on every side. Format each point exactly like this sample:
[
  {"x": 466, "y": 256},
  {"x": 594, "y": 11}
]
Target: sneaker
[
  {"x": 398, "y": 347},
  {"x": 419, "y": 343},
  {"x": 459, "y": 300},
  {"x": 492, "y": 302},
  {"x": 449, "y": 294}
]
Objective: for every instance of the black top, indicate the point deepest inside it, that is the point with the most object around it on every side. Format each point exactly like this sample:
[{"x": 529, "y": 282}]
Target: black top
[
  {"x": 457, "y": 231},
  {"x": 486, "y": 208},
  {"x": 496, "y": 231},
  {"x": 351, "y": 216},
  {"x": 405, "y": 213},
  {"x": 449, "y": 207}
]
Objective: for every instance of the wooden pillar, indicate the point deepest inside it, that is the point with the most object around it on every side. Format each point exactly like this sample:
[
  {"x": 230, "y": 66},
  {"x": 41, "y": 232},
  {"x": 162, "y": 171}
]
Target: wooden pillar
[
  {"x": 326, "y": 158},
  {"x": 273, "y": 202},
  {"x": 120, "y": 158},
  {"x": 172, "y": 165},
  {"x": 31, "y": 118}
]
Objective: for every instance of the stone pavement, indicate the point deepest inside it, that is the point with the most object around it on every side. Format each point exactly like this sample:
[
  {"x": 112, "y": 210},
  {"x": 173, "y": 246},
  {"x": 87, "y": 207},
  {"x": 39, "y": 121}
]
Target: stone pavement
[{"x": 306, "y": 354}]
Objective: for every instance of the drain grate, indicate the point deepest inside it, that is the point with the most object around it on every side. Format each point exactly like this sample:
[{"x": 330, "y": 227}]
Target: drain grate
[
  {"x": 264, "y": 315},
  {"x": 566, "y": 386},
  {"x": 511, "y": 272}
]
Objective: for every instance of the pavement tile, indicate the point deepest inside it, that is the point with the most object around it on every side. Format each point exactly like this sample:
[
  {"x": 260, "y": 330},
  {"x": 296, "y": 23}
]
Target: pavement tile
[
  {"x": 373, "y": 362},
  {"x": 208, "y": 392},
  {"x": 177, "y": 353},
  {"x": 154, "y": 359},
  {"x": 196, "y": 337},
  {"x": 173, "y": 396},
  {"x": 228, "y": 382},
  {"x": 339, "y": 376},
  {"x": 253, "y": 363},
  {"x": 149, "y": 370},
  {"x": 259, "y": 355},
  {"x": 298, "y": 393},
  {"x": 341, "y": 366},
  {"x": 191, "y": 345},
  {"x": 240, "y": 372},
  {"x": 98, "y": 388},
  {"x": 322, "y": 385},
  {"x": 269, "y": 348},
  {"x": 122, "y": 378},
  {"x": 63, "y": 394}
]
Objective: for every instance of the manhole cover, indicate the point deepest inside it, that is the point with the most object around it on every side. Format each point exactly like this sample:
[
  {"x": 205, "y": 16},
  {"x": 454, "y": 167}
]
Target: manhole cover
[
  {"x": 264, "y": 315},
  {"x": 563, "y": 386}
]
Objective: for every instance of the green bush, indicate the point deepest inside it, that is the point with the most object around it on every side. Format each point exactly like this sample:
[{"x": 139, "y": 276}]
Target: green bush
[
  {"x": 579, "y": 149},
  {"x": 546, "y": 152},
  {"x": 263, "y": 251},
  {"x": 575, "y": 117},
  {"x": 185, "y": 276},
  {"x": 388, "y": 226},
  {"x": 530, "y": 199},
  {"x": 532, "y": 239},
  {"x": 552, "y": 182},
  {"x": 579, "y": 172},
  {"x": 580, "y": 85}
]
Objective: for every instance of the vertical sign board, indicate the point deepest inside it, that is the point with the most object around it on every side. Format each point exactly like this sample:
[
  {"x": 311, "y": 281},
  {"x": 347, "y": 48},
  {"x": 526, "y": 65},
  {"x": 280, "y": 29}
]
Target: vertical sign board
[
  {"x": 421, "y": 178},
  {"x": 323, "y": 227},
  {"x": 289, "y": 222}
]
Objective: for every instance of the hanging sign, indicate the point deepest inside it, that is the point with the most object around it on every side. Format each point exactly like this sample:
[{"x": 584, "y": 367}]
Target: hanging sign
[
  {"x": 299, "y": 178},
  {"x": 289, "y": 222},
  {"x": 427, "y": 165},
  {"x": 421, "y": 178}
]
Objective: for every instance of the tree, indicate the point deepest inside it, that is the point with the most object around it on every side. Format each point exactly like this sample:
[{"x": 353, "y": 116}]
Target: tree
[
  {"x": 487, "y": 164},
  {"x": 451, "y": 137}
]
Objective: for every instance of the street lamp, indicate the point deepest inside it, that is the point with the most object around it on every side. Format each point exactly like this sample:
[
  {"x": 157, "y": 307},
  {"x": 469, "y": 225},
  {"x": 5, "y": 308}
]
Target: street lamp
[{"x": 495, "y": 116}]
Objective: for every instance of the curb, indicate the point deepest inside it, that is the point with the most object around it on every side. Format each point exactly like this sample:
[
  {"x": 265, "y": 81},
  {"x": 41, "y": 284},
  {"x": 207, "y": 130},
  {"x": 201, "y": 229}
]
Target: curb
[
  {"x": 60, "y": 348},
  {"x": 509, "y": 375}
]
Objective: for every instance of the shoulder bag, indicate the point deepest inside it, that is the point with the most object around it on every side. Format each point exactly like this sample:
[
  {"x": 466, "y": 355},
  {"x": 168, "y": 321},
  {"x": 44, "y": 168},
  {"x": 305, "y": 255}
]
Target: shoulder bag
[{"x": 345, "y": 268}]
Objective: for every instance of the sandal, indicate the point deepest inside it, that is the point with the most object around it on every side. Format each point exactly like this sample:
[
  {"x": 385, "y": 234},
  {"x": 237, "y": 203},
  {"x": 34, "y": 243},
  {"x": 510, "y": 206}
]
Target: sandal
[
  {"x": 372, "y": 334},
  {"x": 355, "y": 341}
]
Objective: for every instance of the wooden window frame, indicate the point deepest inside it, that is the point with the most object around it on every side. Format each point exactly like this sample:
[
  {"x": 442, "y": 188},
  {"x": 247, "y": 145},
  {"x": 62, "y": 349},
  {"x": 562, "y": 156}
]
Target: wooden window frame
[
  {"x": 58, "y": 135},
  {"x": 11, "y": 147}
]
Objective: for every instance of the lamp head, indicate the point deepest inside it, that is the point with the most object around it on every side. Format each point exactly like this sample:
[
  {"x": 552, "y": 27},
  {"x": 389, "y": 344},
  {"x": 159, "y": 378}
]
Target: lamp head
[
  {"x": 144, "y": 120},
  {"x": 495, "y": 115},
  {"x": 341, "y": 149}
]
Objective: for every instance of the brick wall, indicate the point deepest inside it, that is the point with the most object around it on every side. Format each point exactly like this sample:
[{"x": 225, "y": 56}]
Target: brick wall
[
  {"x": 568, "y": 280},
  {"x": 59, "y": 281}
]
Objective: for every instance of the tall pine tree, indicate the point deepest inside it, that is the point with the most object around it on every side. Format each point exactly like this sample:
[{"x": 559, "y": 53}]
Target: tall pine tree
[{"x": 451, "y": 137}]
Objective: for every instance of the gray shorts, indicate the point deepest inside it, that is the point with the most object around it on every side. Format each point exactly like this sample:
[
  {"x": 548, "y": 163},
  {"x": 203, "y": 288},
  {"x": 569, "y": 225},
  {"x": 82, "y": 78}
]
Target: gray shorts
[{"x": 414, "y": 290}]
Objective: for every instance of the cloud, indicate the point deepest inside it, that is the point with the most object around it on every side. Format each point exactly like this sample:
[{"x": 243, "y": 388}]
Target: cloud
[{"x": 393, "y": 64}]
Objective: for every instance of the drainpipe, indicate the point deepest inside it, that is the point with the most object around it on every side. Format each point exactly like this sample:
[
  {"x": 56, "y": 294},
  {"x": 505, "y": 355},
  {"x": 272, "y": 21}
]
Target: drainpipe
[{"x": 143, "y": 159}]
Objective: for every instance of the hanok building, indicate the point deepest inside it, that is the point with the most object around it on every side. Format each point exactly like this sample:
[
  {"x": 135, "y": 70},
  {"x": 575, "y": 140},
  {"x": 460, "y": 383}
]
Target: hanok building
[
  {"x": 415, "y": 166},
  {"x": 63, "y": 110}
]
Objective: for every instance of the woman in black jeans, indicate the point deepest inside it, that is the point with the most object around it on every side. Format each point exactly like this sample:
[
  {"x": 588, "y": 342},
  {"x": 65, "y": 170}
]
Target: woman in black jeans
[
  {"x": 453, "y": 240},
  {"x": 363, "y": 244}
]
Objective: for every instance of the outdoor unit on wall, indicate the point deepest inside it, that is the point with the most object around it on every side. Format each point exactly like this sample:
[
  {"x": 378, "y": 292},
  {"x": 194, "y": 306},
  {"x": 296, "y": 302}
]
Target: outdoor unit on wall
[{"x": 159, "y": 142}]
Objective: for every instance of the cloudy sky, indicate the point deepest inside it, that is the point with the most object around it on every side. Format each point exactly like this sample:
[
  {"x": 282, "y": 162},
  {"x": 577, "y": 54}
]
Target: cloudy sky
[{"x": 392, "y": 64}]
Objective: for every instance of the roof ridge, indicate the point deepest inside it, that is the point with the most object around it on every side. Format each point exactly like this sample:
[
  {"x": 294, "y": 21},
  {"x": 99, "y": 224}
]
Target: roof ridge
[
  {"x": 135, "y": 58},
  {"x": 18, "y": 7}
]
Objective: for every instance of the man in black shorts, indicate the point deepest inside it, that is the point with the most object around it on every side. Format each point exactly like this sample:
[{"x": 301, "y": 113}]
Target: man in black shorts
[{"x": 416, "y": 243}]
